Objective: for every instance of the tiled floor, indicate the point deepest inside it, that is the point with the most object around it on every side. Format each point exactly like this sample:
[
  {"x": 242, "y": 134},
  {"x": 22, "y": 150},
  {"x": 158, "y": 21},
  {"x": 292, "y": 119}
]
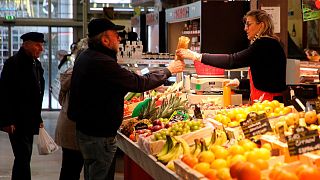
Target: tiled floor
[{"x": 44, "y": 167}]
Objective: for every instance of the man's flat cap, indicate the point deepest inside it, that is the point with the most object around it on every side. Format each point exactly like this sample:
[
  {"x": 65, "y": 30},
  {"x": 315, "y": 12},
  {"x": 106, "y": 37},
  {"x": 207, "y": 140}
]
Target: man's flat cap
[
  {"x": 33, "y": 36},
  {"x": 99, "y": 25}
]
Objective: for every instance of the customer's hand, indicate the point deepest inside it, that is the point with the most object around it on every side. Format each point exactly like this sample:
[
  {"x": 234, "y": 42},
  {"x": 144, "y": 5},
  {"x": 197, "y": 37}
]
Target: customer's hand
[
  {"x": 188, "y": 54},
  {"x": 9, "y": 129},
  {"x": 234, "y": 83},
  {"x": 176, "y": 66}
]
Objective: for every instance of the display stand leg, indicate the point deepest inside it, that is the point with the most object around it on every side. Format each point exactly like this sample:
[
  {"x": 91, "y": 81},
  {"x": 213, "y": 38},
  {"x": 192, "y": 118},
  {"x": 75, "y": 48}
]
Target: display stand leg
[{"x": 132, "y": 171}]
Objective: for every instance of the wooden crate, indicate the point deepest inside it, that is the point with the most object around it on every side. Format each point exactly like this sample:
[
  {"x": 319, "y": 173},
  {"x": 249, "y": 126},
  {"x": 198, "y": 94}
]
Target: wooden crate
[
  {"x": 186, "y": 172},
  {"x": 311, "y": 159},
  {"x": 154, "y": 147},
  {"x": 277, "y": 146}
]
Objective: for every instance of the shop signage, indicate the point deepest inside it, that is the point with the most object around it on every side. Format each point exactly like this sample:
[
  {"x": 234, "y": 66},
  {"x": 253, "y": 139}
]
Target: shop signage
[
  {"x": 135, "y": 21},
  {"x": 152, "y": 19},
  {"x": 181, "y": 13},
  {"x": 184, "y": 13},
  {"x": 302, "y": 141},
  {"x": 255, "y": 124},
  {"x": 140, "y": 2}
]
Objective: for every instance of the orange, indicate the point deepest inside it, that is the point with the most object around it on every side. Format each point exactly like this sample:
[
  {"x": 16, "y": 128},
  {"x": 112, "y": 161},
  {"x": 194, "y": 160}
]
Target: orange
[
  {"x": 248, "y": 146},
  {"x": 202, "y": 167},
  {"x": 243, "y": 141},
  {"x": 206, "y": 156},
  {"x": 211, "y": 174},
  {"x": 309, "y": 173},
  {"x": 285, "y": 175},
  {"x": 249, "y": 171},
  {"x": 218, "y": 163},
  {"x": 311, "y": 117},
  {"x": 263, "y": 153},
  {"x": 274, "y": 173},
  {"x": 236, "y": 149},
  {"x": 224, "y": 174},
  {"x": 237, "y": 158},
  {"x": 287, "y": 110},
  {"x": 261, "y": 164},
  {"x": 275, "y": 103},
  {"x": 234, "y": 168},
  {"x": 189, "y": 160},
  {"x": 219, "y": 152}
]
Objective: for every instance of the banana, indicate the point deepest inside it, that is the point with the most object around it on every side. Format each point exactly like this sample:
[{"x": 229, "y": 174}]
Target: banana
[
  {"x": 166, "y": 147},
  {"x": 185, "y": 145},
  {"x": 170, "y": 165},
  {"x": 213, "y": 137},
  {"x": 197, "y": 148},
  {"x": 223, "y": 137},
  {"x": 203, "y": 145},
  {"x": 174, "y": 153},
  {"x": 219, "y": 137}
]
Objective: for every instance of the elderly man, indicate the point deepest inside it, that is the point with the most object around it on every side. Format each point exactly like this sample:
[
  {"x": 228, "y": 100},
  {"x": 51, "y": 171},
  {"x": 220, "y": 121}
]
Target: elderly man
[
  {"x": 21, "y": 91},
  {"x": 98, "y": 87}
]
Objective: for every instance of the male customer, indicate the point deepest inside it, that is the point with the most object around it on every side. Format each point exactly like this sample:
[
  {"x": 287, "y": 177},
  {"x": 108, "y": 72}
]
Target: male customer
[
  {"x": 98, "y": 87},
  {"x": 21, "y": 91}
]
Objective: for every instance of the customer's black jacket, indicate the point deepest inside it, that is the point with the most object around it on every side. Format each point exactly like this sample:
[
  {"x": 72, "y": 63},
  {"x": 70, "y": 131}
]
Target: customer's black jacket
[
  {"x": 21, "y": 93},
  {"x": 266, "y": 59},
  {"x": 98, "y": 87}
]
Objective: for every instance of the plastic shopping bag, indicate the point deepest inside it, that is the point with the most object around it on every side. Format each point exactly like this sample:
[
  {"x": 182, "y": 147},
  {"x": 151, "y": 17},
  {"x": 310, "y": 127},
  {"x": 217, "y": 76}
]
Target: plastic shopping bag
[{"x": 46, "y": 144}]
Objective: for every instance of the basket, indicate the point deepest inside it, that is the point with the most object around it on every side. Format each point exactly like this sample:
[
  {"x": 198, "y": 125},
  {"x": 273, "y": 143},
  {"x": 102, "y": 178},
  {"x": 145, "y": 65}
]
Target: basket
[{"x": 202, "y": 69}]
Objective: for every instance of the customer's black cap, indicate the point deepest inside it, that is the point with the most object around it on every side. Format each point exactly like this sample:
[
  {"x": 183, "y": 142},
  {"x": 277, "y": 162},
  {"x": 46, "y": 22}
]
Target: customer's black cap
[
  {"x": 97, "y": 26},
  {"x": 33, "y": 36}
]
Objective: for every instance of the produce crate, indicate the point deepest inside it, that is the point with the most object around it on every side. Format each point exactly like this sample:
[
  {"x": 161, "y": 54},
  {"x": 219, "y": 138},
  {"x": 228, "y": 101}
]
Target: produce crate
[
  {"x": 310, "y": 159},
  {"x": 154, "y": 147},
  {"x": 277, "y": 146},
  {"x": 186, "y": 172}
]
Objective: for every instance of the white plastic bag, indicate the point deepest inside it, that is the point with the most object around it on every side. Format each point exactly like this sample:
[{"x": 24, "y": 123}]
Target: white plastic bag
[{"x": 46, "y": 144}]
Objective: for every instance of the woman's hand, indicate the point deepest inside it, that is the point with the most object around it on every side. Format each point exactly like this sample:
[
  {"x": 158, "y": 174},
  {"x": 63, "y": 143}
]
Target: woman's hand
[{"x": 188, "y": 54}]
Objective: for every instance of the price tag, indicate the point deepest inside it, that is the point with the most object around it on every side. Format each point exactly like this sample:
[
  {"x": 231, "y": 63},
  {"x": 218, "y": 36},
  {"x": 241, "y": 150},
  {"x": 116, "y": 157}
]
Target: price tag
[
  {"x": 141, "y": 126},
  {"x": 255, "y": 124},
  {"x": 302, "y": 141}
]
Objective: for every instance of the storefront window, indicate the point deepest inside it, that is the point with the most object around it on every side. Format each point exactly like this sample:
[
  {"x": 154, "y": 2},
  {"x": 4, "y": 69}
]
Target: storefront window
[
  {"x": 61, "y": 39},
  {"x": 36, "y": 8},
  {"x": 4, "y": 53}
]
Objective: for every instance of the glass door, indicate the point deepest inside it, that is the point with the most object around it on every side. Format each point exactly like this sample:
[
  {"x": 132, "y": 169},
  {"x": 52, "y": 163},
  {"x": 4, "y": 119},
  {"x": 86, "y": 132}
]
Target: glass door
[{"x": 60, "y": 39}]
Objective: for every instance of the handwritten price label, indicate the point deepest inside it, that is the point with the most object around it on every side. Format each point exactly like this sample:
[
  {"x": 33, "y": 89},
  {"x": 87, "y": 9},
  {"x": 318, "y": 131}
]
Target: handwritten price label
[{"x": 303, "y": 141}]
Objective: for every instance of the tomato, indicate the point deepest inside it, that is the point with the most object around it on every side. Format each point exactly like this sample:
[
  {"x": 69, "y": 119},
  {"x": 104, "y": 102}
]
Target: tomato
[
  {"x": 317, "y": 4},
  {"x": 132, "y": 137}
]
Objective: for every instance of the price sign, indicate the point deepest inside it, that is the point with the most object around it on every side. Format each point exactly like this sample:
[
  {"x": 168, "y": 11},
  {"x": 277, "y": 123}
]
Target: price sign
[
  {"x": 302, "y": 141},
  {"x": 255, "y": 124},
  {"x": 141, "y": 126}
]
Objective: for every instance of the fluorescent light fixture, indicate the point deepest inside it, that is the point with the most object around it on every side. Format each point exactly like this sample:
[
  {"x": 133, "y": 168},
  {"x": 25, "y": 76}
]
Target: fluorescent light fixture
[
  {"x": 111, "y": 1},
  {"x": 120, "y": 9}
]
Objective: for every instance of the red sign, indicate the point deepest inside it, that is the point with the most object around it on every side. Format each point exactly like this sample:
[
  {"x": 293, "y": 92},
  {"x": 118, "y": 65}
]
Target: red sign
[
  {"x": 152, "y": 18},
  {"x": 181, "y": 13}
]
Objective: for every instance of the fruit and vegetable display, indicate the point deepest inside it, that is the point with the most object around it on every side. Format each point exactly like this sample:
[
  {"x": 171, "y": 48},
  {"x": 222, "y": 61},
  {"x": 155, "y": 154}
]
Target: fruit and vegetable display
[{"x": 221, "y": 145}]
